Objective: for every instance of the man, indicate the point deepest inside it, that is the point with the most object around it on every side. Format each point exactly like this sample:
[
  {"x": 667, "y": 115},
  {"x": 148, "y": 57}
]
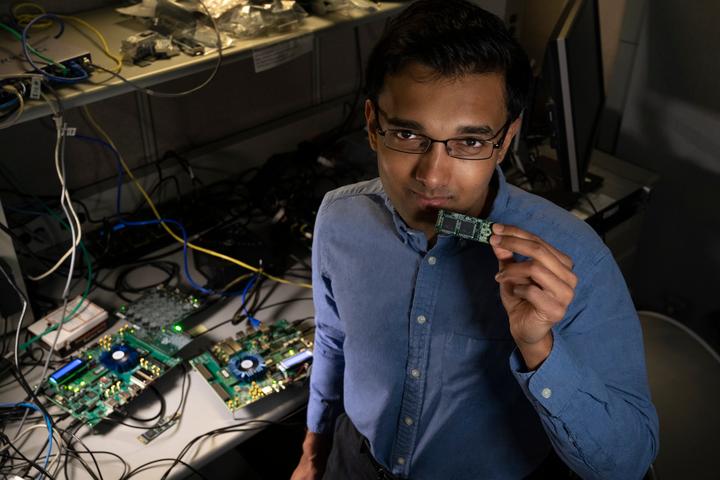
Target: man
[{"x": 440, "y": 358}]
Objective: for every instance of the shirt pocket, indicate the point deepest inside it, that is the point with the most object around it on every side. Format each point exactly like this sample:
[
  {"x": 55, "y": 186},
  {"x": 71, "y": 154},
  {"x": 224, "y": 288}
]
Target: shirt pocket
[{"x": 477, "y": 369}]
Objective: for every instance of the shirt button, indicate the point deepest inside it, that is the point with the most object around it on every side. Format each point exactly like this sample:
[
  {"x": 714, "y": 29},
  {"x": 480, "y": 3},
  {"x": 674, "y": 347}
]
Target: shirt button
[
  {"x": 408, "y": 421},
  {"x": 415, "y": 373},
  {"x": 432, "y": 260},
  {"x": 401, "y": 460},
  {"x": 421, "y": 319},
  {"x": 546, "y": 392}
]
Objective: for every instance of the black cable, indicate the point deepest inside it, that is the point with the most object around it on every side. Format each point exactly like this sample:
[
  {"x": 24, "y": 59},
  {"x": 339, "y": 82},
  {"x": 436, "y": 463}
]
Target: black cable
[
  {"x": 122, "y": 285},
  {"x": 70, "y": 449},
  {"x": 18, "y": 241},
  {"x": 183, "y": 393},
  {"x": 5, "y": 363},
  {"x": 249, "y": 299},
  {"x": 92, "y": 456},
  {"x": 31, "y": 463},
  {"x": 304, "y": 319},
  {"x": 126, "y": 466},
  {"x": 284, "y": 302},
  {"x": 147, "y": 465},
  {"x": 256, "y": 294},
  {"x": 181, "y": 406},
  {"x": 161, "y": 411},
  {"x": 229, "y": 429},
  {"x": 155, "y": 188}
]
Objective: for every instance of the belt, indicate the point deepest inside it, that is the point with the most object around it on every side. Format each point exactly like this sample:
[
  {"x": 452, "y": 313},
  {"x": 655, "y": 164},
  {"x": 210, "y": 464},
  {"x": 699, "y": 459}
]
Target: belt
[{"x": 382, "y": 472}]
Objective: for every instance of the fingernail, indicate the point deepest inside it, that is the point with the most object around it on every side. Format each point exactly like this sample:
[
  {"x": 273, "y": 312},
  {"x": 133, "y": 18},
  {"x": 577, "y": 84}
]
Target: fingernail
[
  {"x": 499, "y": 275},
  {"x": 494, "y": 240},
  {"x": 498, "y": 227}
]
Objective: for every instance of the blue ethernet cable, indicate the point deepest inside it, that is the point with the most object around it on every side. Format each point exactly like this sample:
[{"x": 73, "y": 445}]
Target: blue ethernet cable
[
  {"x": 48, "y": 423},
  {"x": 83, "y": 75}
]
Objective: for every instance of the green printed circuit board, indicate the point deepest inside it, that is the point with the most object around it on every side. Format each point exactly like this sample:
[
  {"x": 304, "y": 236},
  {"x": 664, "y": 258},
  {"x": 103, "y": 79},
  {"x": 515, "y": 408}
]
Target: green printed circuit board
[
  {"x": 463, "y": 226},
  {"x": 256, "y": 363},
  {"x": 106, "y": 376}
]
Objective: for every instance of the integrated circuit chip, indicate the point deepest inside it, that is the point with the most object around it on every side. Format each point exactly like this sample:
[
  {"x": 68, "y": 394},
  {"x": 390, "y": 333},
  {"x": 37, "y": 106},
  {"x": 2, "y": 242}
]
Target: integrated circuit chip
[{"x": 464, "y": 226}]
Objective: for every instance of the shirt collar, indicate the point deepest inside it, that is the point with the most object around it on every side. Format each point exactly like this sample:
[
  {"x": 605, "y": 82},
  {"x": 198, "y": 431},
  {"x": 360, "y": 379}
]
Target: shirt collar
[
  {"x": 502, "y": 196},
  {"x": 417, "y": 240}
]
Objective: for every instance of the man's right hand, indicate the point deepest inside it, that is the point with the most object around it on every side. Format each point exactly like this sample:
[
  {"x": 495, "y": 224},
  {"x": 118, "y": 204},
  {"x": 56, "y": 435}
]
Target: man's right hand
[{"x": 316, "y": 450}]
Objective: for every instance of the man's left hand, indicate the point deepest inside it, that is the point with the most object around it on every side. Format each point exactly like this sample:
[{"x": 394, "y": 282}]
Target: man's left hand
[{"x": 535, "y": 293}]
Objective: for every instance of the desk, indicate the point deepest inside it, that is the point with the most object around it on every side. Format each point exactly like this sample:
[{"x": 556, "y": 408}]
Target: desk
[
  {"x": 204, "y": 410},
  {"x": 619, "y": 205}
]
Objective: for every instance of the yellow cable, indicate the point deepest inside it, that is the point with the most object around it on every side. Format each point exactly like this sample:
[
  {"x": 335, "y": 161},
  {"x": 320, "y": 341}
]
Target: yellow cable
[
  {"x": 167, "y": 229},
  {"x": 104, "y": 45},
  {"x": 23, "y": 18},
  {"x": 76, "y": 21}
]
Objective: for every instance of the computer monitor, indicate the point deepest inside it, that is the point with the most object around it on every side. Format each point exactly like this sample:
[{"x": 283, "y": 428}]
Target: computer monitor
[
  {"x": 567, "y": 100},
  {"x": 573, "y": 75}
]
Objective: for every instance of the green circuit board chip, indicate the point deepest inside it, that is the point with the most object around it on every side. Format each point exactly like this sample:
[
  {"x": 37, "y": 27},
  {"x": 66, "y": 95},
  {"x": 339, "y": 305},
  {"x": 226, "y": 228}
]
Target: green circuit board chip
[
  {"x": 108, "y": 375},
  {"x": 463, "y": 226},
  {"x": 256, "y": 363}
]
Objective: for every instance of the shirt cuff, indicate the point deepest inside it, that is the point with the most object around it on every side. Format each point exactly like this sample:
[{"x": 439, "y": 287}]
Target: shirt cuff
[
  {"x": 554, "y": 384},
  {"x": 321, "y": 415}
]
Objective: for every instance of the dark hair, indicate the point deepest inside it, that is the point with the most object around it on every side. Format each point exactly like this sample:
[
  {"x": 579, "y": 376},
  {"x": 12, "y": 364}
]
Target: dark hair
[{"x": 454, "y": 38}]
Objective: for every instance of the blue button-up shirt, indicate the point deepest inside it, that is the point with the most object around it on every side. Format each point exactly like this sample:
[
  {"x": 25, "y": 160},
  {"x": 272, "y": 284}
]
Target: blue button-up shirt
[{"x": 413, "y": 343}]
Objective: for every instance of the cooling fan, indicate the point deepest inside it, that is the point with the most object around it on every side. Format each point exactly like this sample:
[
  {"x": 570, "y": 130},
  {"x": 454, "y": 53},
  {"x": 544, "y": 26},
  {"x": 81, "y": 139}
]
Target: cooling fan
[
  {"x": 120, "y": 358},
  {"x": 247, "y": 366}
]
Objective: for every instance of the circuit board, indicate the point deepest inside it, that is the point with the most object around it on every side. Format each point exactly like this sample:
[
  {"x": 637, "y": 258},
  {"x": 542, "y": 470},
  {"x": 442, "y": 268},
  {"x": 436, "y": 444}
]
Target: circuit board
[
  {"x": 157, "y": 317},
  {"x": 464, "y": 226},
  {"x": 256, "y": 363},
  {"x": 107, "y": 375}
]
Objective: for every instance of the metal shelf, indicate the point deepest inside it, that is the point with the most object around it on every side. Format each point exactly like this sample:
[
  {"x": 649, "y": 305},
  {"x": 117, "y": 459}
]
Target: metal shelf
[{"x": 116, "y": 27}]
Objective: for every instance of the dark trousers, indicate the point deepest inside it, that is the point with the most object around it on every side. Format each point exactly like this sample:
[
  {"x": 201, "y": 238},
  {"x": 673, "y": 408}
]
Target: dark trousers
[{"x": 350, "y": 459}]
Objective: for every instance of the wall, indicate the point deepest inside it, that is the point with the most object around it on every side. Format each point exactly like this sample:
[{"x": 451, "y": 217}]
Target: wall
[
  {"x": 670, "y": 122},
  {"x": 539, "y": 18}
]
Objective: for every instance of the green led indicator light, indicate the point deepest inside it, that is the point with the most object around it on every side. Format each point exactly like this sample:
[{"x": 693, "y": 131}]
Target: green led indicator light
[{"x": 177, "y": 328}]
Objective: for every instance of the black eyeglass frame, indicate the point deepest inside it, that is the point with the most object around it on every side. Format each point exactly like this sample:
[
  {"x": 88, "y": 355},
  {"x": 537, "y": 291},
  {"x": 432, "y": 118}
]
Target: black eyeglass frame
[{"x": 495, "y": 146}]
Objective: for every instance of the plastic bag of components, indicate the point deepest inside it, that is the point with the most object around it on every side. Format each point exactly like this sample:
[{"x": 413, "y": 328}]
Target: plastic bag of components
[
  {"x": 250, "y": 21},
  {"x": 145, "y": 9},
  {"x": 218, "y": 8},
  {"x": 144, "y": 47},
  {"x": 347, "y": 8},
  {"x": 245, "y": 22},
  {"x": 199, "y": 40}
]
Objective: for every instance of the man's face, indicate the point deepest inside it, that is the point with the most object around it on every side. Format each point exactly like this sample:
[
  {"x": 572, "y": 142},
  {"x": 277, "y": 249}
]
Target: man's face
[{"x": 417, "y": 101}]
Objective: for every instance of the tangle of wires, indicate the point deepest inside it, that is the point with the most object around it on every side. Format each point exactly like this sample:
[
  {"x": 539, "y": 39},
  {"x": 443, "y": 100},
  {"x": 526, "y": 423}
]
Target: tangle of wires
[
  {"x": 243, "y": 426},
  {"x": 171, "y": 271},
  {"x": 64, "y": 446}
]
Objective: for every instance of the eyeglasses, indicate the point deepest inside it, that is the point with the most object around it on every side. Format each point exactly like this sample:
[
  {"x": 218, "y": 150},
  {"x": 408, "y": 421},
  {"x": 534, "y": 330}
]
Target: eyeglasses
[{"x": 466, "y": 148}]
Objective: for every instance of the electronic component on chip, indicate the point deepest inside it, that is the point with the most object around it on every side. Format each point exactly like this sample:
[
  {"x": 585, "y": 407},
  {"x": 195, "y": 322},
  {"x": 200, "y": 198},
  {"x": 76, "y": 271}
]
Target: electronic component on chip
[{"x": 464, "y": 226}]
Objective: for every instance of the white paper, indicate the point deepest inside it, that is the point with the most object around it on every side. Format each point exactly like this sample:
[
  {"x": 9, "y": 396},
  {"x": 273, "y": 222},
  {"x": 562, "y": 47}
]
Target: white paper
[{"x": 270, "y": 57}]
